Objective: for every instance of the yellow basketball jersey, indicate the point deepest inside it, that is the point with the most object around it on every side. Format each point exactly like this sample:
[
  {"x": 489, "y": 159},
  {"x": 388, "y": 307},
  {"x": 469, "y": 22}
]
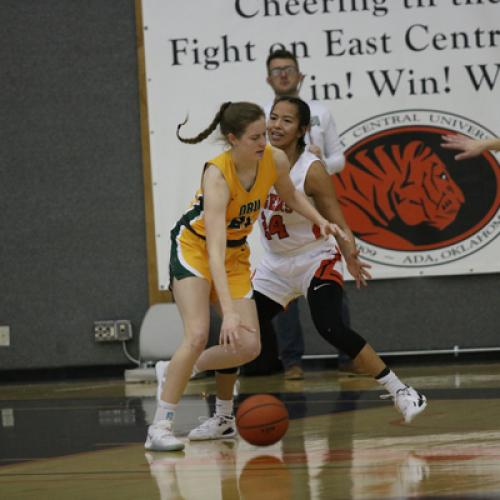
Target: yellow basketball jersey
[{"x": 244, "y": 206}]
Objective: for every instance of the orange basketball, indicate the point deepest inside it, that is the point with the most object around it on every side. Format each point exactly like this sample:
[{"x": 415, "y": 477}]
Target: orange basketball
[{"x": 262, "y": 419}]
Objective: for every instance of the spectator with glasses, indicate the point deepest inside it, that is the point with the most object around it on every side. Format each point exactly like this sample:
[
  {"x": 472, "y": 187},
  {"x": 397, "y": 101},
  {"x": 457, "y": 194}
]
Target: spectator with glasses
[{"x": 285, "y": 78}]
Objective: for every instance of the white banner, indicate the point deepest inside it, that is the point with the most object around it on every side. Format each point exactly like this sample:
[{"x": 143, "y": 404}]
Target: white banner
[{"x": 396, "y": 74}]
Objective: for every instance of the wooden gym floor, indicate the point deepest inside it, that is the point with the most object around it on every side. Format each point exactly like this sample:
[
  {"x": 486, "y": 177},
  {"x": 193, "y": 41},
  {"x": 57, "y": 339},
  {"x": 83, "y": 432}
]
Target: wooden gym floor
[{"x": 84, "y": 440}]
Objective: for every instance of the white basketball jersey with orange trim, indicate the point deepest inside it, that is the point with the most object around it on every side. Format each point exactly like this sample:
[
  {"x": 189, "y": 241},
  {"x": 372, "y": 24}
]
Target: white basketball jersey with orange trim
[{"x": 283, "y": 230}]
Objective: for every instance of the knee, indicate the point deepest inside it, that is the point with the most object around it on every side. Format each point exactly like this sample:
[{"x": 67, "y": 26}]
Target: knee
[
  {"x": 196, "y": 342},
  {"x": 255, "y": 350},
  {"x": 250, "y": 350}
]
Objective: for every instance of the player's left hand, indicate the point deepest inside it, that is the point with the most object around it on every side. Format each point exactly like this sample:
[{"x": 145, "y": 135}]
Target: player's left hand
[
  {"x": 330, "y": 229},
  {"x": 358, "y": 269}
]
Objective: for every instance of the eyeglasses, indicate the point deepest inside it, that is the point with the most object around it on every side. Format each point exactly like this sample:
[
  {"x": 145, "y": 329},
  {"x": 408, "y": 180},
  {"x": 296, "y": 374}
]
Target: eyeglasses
[{"x": 288, "y": 70}]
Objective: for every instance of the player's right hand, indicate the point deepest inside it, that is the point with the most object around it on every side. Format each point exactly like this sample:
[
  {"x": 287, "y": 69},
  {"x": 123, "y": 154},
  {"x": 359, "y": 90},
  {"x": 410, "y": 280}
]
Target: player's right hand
[{"x": 230, "y": 330}]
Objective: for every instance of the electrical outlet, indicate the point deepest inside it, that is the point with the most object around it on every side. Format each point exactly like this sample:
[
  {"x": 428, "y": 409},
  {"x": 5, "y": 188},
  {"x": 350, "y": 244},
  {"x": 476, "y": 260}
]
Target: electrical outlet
[
  {"x": 5, "y": 336},
  {"x": 123, "y": 329},
  {"x": 112, "y": 331},
  {"x": 104, "y": 331}
]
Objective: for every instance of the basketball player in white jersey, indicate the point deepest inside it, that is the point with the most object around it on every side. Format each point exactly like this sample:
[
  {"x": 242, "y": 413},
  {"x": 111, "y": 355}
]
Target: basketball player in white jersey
[{"x": 285, "y": 79}]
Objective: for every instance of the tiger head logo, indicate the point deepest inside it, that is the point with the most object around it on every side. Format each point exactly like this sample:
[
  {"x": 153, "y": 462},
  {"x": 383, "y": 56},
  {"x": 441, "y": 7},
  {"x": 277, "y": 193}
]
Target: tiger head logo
[{"x": 388, "y": 191}]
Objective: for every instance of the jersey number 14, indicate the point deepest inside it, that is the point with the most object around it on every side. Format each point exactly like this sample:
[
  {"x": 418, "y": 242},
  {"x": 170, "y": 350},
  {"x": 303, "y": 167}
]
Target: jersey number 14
[{"x": 274, "y": 226}]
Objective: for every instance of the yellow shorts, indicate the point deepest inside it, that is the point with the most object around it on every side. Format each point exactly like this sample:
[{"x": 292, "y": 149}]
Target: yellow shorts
[{"x": 189, "y": 257}]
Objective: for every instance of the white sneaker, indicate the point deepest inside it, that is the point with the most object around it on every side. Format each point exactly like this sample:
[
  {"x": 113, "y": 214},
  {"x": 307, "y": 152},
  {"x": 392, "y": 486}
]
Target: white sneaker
[
  {"x": 410, "y": 402},
  {"x": 160, "y": 371},
  {"x": 216, "y": 427},
  {"x": 161, "y": 438}
]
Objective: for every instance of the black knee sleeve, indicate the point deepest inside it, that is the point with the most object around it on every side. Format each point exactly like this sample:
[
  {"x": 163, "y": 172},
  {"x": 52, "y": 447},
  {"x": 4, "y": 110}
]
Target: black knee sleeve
[{"x": 325, "y": 303}]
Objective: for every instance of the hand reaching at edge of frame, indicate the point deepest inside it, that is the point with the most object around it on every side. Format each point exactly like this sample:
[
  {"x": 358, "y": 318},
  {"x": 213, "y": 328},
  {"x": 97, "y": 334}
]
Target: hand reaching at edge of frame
[{"x": 470, "y": 148}]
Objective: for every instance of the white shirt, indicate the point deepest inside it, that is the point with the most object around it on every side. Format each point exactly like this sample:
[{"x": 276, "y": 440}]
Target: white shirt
[{"x": 284, "y": 231}]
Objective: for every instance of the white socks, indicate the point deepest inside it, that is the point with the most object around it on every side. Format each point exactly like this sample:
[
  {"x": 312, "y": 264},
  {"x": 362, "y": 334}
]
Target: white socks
[
  {"x": 224, "y": 408},
  {"x": 164, "y": 411},
  {"x": 391, "y": 383}
]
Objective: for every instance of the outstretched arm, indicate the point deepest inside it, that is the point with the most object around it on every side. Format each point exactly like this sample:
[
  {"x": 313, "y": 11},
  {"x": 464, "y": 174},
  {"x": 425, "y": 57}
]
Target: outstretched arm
[
  {"x": 319, "y": 185},
  {"x": 470, "y": 147}
]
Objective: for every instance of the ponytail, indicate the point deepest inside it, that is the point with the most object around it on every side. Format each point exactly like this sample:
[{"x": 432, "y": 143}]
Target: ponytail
[{"x": 203, "y": 135}]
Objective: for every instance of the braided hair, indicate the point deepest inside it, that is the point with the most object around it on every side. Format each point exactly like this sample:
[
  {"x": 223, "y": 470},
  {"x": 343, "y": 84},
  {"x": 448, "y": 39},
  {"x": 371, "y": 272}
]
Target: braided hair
[{"x": 233, "y": 117}]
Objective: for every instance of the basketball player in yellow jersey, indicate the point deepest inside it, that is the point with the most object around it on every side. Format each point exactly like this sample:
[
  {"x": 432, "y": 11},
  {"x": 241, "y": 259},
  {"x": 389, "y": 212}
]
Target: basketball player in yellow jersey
[
  {"x": 210, "y": 258},
  {"x": 243, "y": 207}
]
